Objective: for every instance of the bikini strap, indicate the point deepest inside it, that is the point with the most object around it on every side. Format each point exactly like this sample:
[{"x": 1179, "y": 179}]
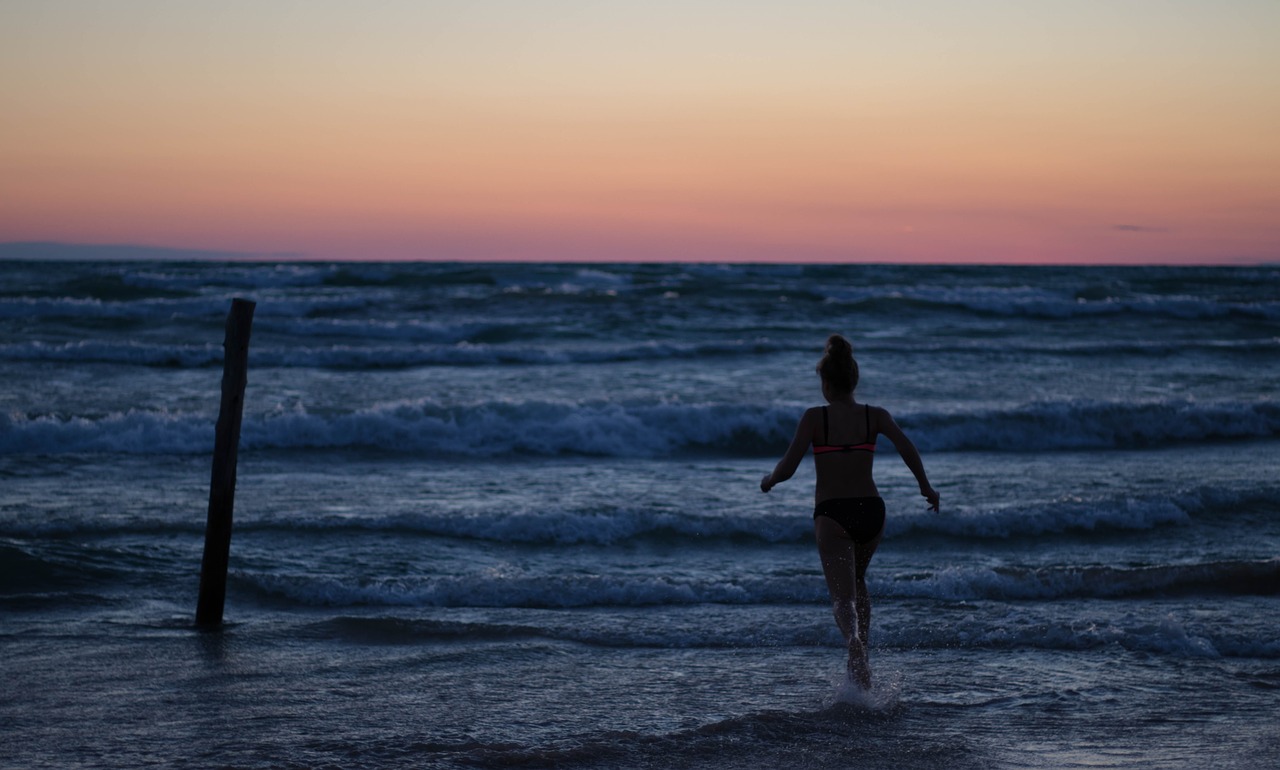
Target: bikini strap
[
  {"x": 826, "y": 434},
  {"x": 867, "y": 411}
]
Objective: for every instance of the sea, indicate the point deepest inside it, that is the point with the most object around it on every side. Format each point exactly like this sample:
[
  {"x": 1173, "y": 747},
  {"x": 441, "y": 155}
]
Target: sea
[{"x": 508, "y": 515}]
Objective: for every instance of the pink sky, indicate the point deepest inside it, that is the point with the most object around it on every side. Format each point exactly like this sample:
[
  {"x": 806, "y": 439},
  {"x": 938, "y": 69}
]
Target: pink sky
[{"x": 1140, "y": 132}]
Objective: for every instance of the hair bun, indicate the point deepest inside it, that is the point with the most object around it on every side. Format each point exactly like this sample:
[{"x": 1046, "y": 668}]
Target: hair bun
[{"x": 837, "y": 367}]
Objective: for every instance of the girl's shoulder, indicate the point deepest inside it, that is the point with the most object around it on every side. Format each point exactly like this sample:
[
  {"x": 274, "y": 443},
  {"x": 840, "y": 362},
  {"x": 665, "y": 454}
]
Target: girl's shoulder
[
  {"x": 879, "y": 415},
  {"x": 882, "y": 421}
]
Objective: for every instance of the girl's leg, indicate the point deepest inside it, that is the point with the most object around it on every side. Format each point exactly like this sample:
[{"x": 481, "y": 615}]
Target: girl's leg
[
  {"x": 839, "y": 565},
  {"x": 862, "y": 559}
]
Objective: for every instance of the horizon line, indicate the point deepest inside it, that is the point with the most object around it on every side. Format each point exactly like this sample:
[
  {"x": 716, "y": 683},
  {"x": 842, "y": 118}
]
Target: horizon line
[{"x": 63, "y": 251}]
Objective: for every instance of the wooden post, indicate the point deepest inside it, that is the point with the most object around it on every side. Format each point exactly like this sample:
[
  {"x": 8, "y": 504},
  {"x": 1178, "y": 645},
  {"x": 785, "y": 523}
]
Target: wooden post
[{"x": 222, "y": 485}]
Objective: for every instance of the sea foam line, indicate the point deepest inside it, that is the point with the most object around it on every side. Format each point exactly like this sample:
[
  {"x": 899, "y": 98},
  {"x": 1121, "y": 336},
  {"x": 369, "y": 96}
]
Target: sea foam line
[
  {"x": 455, "y": 349},
  {"x": 541, "y": 428},
  {"x": 520, "y": 588},
  {"x": 554, "y": 526}
]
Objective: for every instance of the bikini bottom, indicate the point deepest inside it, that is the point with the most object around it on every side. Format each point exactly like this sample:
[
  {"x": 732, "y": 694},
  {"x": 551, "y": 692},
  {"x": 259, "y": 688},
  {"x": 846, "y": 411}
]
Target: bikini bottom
[{"x": 862, "y": 518}]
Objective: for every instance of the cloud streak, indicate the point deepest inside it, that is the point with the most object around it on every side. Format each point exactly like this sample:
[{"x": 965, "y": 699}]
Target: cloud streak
[{"x": 1139, "y": 229}]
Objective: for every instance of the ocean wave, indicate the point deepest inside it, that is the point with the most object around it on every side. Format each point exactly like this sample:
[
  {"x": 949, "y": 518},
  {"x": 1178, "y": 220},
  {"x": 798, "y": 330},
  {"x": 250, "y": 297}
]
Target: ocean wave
[
  {"x": 24, "y": 571},
  {"x": 1131, "y": 348},
  {"x": 513, "y": 587},
  {"x": 500, "y": 428},
  {"x": 116, "y": 287},
  {"x": 485, "y": 430},
  {"x": 160, "y": 291},
  {"x": 1017, "y": 629},
  {"x": 456, "y": 349},
  {"x": 626, "y": 631},
  {"x": 1081, "y": 424},
  {"x": 167, "y": 309},
  {"x": 607, "y": 525},
  {"x": 132, "y": 432},
  {"x": 1047, "y": 304},
  {"x": 413, "y": 330},
  {"x": 603, "y": 526},
  {"x": 485, "y": 280},
  {"x": 1247, "y": 578},
  {"x": 129, "y": 353},
  {"x": 1029, "y": 622},
  {"x": 563, "y": 527},
  {"x": 1014, "y": 630},
  {"x": 1081, "y": 514},
  {"x": 516, "y": 588}
]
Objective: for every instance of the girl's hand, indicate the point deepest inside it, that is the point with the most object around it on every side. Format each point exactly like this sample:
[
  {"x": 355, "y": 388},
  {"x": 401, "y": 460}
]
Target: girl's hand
[
  {"x": 932, "y": 496},
  {"x": 766, "y": 483}
]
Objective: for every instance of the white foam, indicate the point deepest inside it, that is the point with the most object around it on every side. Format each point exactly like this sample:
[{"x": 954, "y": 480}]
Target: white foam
[
  {"x": 168, "y": 309},
  {"x": 883, "y": 695},
  {"x": 131, "y": 353},
  {"x": 1068, "y": 515},
  {"x": 506, "y": 427},
  {"x": 512, "y": 586},
  {"x": 423, "y": 345},
  {"x": 1034, "y": 302}
]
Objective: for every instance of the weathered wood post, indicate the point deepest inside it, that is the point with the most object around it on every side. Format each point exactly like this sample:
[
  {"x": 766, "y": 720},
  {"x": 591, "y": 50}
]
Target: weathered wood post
[{"x": 222, "y": 485}]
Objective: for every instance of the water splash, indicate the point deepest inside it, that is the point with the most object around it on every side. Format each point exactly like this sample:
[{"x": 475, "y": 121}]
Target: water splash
[{"x": 883, "y": 695}]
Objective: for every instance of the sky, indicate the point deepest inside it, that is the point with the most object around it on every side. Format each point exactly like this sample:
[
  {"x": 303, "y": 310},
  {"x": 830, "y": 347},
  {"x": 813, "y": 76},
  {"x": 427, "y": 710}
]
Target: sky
[{"x": 989, "y": 131}]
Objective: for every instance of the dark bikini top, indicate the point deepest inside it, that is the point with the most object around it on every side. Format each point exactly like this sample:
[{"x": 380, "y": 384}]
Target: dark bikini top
[{"x": 867, "y": 446}]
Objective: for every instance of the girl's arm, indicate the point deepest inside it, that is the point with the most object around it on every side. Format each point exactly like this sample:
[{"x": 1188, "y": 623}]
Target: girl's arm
[
  {"x": 786, "y": 467},
  {"x": 910, "y": 455}
]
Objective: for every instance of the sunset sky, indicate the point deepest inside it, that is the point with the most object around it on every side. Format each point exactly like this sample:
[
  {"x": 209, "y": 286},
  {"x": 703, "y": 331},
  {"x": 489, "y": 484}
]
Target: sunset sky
[{"x": 731, "y": 130}]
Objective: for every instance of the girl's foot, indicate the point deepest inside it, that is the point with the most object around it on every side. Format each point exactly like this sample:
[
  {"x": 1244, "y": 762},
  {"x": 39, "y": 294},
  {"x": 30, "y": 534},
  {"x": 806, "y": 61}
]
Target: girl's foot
[{"x": 858, "y": 667}]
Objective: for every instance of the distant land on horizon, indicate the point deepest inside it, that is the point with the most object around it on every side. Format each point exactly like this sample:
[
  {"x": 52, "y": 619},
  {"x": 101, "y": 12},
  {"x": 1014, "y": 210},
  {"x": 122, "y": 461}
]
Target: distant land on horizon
[{"x": 54, "y": 251}]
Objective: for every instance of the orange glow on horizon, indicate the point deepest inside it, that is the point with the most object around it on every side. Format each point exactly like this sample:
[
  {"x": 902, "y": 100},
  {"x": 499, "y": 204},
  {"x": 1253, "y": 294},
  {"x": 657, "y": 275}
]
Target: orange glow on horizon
[{"x": 767, "y": 137}]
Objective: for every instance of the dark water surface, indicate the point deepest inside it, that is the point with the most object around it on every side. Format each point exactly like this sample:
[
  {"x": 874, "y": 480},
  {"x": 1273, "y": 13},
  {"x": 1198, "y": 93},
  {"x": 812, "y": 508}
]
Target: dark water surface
[{"x": 508, "y": 515}]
